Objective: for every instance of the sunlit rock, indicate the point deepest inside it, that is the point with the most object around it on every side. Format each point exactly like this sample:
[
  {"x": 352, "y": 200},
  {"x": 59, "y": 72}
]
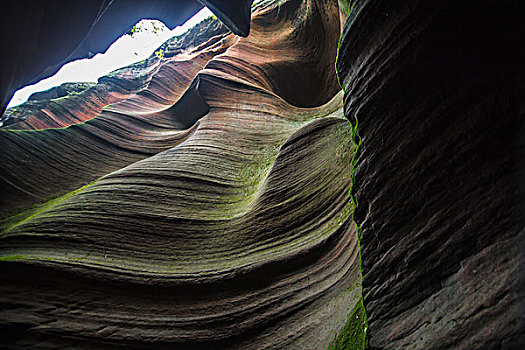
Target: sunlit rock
[{"x": 197, "y": 200}]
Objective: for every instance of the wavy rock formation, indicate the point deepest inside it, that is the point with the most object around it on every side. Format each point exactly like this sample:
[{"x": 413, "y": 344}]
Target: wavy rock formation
[
  {"x": 435, "y": 91},
  {"x": 197, "y": 200},
  {"x": 61, "y": 31}
]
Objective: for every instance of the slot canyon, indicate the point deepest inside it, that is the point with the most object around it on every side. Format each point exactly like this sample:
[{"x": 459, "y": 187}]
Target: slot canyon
[{"x": 287, "y": 174}]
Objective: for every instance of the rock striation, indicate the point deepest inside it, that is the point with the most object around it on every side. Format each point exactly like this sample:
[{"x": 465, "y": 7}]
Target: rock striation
[
  {"x": 435, "y": 91},
  {"x": 61, "y": 31},
  {"x": 196, "y": 200},
  {"x": 204, "y": 198}
]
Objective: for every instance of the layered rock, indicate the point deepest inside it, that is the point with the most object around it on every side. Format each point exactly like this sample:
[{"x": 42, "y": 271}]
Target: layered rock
[
  {"x": 196, "y": 200},
  {"x": 435, "y": 91},
  {"x": 61, "y": 31}
]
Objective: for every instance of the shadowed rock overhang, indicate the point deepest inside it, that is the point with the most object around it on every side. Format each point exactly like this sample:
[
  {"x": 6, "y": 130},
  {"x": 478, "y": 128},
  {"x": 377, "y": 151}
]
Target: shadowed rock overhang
[{"x": 39, "y": 37}]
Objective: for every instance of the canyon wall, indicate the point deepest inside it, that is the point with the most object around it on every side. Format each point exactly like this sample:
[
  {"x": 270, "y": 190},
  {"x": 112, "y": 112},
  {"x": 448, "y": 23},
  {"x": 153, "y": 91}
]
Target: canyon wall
[
  {"x": 204, "y": 197},
  {"x": 198, "y": 199},
  {"x": 437, "y": 95}
]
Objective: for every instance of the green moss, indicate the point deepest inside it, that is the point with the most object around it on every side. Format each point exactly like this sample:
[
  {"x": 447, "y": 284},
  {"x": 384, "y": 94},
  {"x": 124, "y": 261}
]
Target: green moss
[
  {"x": 353, "y": 335},
  {"x": 18, "y": 219},
  {"x": 17, "y": 257},
  {"x": 80, "y": 258},
  {"x": 12, "y": 258},
  {"x": 253, "y": 173}
]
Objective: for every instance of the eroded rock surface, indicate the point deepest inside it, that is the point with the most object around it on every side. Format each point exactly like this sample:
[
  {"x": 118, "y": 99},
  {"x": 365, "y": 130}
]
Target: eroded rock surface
[
  {"x": 61, "y": 31},
  {"x": 199, "y": 200},
  {"x": 435, "y": 91}
]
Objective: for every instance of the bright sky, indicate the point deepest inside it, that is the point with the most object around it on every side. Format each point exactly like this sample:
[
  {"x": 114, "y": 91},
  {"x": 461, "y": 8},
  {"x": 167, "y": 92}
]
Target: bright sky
[{"x": 124, "y": 51}]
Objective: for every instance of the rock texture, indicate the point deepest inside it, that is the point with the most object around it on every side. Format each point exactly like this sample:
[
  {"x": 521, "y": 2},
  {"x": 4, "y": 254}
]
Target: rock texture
[
  {"x": 436, "y": 92},
  {"x": 199, "y": 200},
  {"x": 60, "y": 31}
]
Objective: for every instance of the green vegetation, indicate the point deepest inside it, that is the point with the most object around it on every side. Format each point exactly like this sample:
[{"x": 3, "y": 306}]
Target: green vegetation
[
  {"x": 159, "y": 53},
  {"x": 57, "y": 258},
  {"x": 12, "y": 257},
  {"x": 347, "y": 6},
  {"x": 18, "y": 219},
  {"x": 156, "y": 28},
  {"x": 353, "y": 335}
]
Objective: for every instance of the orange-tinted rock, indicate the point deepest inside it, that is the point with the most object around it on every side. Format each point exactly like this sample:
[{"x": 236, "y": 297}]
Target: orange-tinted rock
[{"x": 206, "y": 207}]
